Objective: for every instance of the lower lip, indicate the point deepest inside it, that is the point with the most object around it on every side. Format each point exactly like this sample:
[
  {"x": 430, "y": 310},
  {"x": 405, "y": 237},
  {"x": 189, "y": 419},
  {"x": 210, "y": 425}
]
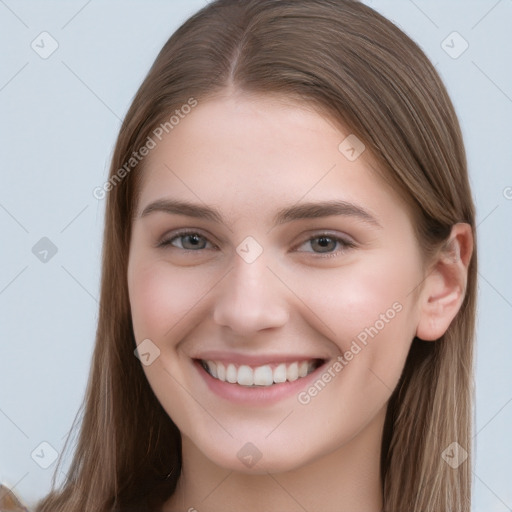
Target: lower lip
[{"x": 262, "y": 395}]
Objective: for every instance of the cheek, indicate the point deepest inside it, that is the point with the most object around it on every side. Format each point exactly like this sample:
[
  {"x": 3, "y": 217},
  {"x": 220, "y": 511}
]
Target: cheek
[
  {"x": 389, "y": 327},
  {"x": 161, "y": 297},
  {"x": 163, "y": 303},
  {"x": 369, "y": 312},
  {"x": 352, "y": 298}
]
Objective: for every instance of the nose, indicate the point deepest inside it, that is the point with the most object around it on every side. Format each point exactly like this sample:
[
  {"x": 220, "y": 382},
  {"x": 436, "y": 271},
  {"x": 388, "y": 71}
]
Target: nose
[{"x": 250, "y": 298}]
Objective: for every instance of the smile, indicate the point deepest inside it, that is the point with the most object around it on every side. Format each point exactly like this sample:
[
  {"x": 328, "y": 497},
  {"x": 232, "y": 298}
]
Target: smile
[{"x": 260, "y": 376}]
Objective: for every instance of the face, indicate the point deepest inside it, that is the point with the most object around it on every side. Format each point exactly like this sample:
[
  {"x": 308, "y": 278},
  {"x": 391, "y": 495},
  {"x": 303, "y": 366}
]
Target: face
[{"x": 271, "y": 270}]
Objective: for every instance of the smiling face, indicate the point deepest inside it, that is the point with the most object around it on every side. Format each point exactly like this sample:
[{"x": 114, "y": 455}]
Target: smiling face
[{"x": 274, "y": 273}]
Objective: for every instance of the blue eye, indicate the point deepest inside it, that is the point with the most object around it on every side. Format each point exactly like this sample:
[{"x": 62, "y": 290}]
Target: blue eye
[
  {"x": 189, "y": 241},
  {"x": 323, "y": 244},
  {"x": 327, "y": 244}
]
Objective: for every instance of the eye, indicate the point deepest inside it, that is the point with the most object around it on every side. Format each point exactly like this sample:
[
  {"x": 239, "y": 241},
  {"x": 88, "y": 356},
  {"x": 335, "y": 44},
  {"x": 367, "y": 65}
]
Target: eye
[
  {"x": 323, "y": 244},
  {"x": 326, "y": 244},
  {"x": 189, "y": 241}
]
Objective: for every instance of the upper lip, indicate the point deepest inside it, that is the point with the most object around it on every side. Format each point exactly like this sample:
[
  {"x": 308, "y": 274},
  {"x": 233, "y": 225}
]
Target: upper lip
[{"x": 255, "y": 360}]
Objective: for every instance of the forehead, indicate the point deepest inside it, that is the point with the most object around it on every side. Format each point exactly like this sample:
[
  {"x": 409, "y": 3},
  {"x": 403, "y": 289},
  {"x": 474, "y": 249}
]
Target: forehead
[{"x": 251, "y": 153}]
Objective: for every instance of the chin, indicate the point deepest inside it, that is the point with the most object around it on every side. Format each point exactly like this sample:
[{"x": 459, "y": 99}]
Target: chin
[{"x": 278, "y": 455}]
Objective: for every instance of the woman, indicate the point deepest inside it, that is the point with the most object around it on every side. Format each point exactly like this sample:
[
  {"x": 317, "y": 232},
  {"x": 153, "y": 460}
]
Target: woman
[{"x": 289, "y": 276}]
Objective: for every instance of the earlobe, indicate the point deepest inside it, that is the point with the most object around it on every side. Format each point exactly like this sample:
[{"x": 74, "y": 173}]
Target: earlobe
[{"x": 445, "y": 287}]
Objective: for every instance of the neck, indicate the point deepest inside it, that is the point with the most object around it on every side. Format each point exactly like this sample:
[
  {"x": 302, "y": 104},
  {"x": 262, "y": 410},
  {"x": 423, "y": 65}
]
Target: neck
[{"x": 345, "y": 480}]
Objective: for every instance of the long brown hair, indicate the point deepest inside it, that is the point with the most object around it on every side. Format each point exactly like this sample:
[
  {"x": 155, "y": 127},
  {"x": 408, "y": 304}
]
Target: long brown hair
[{"x": 352, "y": 64}]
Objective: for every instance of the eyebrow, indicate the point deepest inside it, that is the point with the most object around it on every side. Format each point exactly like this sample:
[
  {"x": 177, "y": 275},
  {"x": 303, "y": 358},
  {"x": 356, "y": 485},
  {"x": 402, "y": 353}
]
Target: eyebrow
[{"x": 311, "y": 210}]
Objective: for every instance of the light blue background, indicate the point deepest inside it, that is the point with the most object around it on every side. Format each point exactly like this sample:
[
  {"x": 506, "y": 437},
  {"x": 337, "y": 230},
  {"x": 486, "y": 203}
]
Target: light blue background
[{"x": 59, "y": 119}]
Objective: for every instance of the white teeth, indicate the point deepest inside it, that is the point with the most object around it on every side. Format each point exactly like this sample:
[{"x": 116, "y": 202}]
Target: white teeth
[
  {"x": 212, "y": 367},
  {"x": 245, "y": 376},
  {"x": 221, "y": 372},
  {"x": 280, "y": 373},
  {"x": 260, "y": 376},
  {"x": 231, "y": 373},
  {"x": 263, "y": 376},
  {"x": 292, "y": 372}
]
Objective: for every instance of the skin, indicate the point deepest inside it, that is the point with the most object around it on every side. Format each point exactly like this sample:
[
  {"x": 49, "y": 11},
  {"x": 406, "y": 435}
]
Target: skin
[{"x": 248, "y": 157}]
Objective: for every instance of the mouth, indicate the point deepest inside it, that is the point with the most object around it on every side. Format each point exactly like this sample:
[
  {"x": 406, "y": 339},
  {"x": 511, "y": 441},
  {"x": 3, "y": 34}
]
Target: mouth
[{"x": 262, "y": 376}]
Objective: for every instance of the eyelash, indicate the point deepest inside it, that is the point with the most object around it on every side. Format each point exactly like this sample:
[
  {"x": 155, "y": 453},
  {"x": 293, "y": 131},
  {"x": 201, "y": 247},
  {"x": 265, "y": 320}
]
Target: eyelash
[{"x": 345, "y": 244}]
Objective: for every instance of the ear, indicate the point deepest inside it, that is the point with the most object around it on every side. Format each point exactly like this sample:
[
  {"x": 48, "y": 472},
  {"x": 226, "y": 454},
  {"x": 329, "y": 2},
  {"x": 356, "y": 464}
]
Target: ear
[{"x": 444, "y": 288}]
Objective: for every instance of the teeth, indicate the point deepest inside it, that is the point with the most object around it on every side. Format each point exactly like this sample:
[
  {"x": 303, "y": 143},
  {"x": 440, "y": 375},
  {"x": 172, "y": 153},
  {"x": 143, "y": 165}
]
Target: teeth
[
  {"x": 221, "y": 372},
  {"x": 263, "y": 376},
  {"x": 231, "y": 373},
  {"x": 260, "y": 376},
  {"x": 292, "y": 372},
  {"x": 245, "y": 376},
  {"x": 280, "y": 373},
  {"x": 212, "y": 367}
]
